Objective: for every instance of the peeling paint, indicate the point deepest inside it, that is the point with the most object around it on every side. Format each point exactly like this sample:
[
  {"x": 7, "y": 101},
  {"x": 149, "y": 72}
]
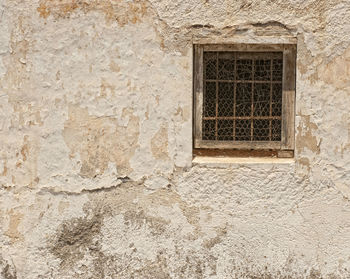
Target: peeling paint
[
  {"x": 96, "y": 171},
  {"x": 159, "y": 143},
  {"x": 100, "y": 140},
  {"x": 120, "y": 11},
  {"x": 337, "y": 71},
  {"x": 12, "y": 231},
  {"x": 305, "y": 138}
]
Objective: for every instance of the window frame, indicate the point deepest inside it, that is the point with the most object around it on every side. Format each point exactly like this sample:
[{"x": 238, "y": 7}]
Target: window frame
[{"x": 288, "y": 97}]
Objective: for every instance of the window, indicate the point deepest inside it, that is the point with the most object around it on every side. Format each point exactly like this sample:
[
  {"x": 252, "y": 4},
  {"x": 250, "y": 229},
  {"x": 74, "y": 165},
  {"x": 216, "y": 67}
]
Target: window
[{"x": 244, "y": 98}]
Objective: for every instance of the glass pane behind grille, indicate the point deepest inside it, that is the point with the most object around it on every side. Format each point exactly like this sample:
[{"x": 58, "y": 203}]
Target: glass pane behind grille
[{"x": 242, "y": 96}]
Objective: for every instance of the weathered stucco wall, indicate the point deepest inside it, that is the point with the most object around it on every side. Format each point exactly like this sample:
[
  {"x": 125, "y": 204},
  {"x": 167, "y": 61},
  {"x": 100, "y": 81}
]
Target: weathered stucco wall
[{"x": 96, "y": 171}]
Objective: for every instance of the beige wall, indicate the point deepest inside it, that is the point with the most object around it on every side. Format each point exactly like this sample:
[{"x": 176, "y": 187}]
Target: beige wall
[{"x": 96, "y": 171}]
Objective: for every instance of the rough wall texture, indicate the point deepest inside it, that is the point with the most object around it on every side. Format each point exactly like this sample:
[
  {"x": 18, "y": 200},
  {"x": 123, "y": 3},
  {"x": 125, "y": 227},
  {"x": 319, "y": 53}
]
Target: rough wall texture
[{"x": 96, "y": 172}]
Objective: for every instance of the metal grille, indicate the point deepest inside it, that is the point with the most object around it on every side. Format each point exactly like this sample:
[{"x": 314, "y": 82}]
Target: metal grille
[{"x": 242, "y": 96}]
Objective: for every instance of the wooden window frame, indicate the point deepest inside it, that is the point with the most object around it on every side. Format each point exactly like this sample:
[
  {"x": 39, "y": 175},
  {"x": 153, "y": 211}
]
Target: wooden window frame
[{"x": 288, "y": 98}]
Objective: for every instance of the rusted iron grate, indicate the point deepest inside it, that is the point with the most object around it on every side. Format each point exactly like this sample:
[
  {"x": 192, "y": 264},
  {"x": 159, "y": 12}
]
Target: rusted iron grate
[{"x": 242, "y": 96}]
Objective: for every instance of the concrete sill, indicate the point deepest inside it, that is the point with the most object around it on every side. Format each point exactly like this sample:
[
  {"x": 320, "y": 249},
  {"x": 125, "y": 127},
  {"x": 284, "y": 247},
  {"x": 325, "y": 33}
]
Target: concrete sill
[{"x": 227, "y": 161}]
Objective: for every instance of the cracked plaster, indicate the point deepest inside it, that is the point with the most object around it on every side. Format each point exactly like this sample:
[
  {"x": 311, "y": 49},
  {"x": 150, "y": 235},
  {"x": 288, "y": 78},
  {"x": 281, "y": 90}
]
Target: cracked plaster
[{"x": 96, "y": 172}]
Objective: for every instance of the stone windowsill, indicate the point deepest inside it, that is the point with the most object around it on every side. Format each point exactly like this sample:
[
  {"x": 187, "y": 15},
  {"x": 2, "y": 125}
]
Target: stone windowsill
[{"x": 222, "y": 161}]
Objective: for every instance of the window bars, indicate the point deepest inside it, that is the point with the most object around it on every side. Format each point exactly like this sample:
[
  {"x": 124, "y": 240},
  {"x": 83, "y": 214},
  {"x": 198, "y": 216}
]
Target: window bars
[{"x": 244, "y": 96}]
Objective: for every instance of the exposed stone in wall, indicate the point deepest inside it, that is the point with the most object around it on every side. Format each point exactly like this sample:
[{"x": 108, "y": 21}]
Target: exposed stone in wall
[{"x": 96, "y": 172}]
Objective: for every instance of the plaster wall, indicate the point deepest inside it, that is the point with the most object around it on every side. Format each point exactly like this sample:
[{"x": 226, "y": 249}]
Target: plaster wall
[{"x": 96, "y": 171}]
